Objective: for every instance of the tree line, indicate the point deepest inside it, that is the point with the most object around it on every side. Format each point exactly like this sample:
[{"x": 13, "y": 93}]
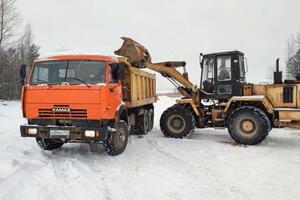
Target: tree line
[{"x": 16, "y": 48}]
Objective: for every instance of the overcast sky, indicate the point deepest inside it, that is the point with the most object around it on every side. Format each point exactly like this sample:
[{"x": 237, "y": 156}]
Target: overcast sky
[{"x": 171, "y": 30}]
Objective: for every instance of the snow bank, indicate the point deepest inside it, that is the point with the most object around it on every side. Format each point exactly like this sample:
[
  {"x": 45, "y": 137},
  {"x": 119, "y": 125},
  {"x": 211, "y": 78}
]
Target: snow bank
[{"x": 206, "y": 166}]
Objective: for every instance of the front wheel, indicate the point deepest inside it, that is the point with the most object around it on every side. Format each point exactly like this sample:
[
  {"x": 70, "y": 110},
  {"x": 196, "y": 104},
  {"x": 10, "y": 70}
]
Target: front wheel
[
  {"x": 177, "y": 121},
  {"x": 117, "y": 141},
  {"x": 49, "y": 143},
  {"x": 248, "y": 125}
]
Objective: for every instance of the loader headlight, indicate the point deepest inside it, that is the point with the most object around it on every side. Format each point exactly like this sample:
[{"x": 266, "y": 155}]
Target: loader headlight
[
  {"x": 32, "y": 131},
  {"x": 89, "y": 133}
]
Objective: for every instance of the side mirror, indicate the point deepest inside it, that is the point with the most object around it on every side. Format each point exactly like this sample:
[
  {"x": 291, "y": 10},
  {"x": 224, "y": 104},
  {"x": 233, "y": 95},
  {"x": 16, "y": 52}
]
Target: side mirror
[
  {"x": 118, "y": 71},
  {"x": 121, "y": 74},
  {"x": 201, "y": 60},
  {"x": 23, "y": 74}
]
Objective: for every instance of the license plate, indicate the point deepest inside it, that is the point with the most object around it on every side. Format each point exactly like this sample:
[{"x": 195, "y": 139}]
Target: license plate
[{"x": 59, "y": 133}]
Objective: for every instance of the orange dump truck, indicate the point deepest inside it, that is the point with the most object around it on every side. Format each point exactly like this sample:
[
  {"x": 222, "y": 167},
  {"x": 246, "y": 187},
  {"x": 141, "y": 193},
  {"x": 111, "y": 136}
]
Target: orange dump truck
[{"x": 87, "y": 99}]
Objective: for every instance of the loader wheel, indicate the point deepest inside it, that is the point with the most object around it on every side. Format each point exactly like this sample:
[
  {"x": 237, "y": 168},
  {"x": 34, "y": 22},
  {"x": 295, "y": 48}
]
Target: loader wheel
[
  {"x": 177, "y": 121},
  {"x": 49, "y": 144},
  {"x": 151, "y": 119},
  {"x": 117, "y": 141},
  {"x": 248, "y": 125}
]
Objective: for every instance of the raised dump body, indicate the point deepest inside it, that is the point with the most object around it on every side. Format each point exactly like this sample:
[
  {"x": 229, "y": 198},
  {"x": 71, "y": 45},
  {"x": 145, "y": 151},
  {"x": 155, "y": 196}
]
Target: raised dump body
[
  {"x": 139, "y": 86},
  {"x": 139, "y": 94},
  {"x": 86, "y": 98}
]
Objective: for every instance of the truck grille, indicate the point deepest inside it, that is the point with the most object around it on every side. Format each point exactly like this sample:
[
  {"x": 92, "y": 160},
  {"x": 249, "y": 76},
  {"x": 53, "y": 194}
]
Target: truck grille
[{"x": 73, "y": 113}]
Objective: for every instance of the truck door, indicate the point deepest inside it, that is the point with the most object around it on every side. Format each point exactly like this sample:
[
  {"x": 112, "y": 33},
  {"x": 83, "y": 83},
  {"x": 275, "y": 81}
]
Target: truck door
[{"x": 114, "y": 93}]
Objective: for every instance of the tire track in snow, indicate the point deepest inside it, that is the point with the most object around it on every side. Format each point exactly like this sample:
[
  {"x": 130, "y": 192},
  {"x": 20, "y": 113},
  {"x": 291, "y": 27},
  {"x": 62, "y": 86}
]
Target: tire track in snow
[
  {"x": 182, "y": 165},
  {"x": 16, "y": 180},
  {"x": 93, "y": 166},
  {"x": 74, "y": 173}
]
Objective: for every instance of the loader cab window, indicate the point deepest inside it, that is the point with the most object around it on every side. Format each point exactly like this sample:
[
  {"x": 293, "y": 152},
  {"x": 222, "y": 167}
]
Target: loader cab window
[
  {"x": 207, "y": 74},
  {"x": 224, "y": 68},
  {"x": 242, "y": 68}
]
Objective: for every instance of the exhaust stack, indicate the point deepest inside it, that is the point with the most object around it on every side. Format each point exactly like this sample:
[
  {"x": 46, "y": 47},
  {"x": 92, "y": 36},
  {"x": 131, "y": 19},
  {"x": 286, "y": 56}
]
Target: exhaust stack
[{"x": 277, "y": 74}]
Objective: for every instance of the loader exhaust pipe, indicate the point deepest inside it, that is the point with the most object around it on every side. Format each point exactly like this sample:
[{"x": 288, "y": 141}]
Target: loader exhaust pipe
[{"x": 277, "y": 74}]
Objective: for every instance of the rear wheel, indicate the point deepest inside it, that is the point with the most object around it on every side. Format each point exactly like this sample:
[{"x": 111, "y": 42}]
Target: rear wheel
[
  {"x": 248, "y": 125},
  {"x": 151, "y": 119},
  {"x": 49, "y": 144},
  {"x": 177, "y": 121},
  {"x": 117, "y": 141},
  {"x": 142, "y": 123}
]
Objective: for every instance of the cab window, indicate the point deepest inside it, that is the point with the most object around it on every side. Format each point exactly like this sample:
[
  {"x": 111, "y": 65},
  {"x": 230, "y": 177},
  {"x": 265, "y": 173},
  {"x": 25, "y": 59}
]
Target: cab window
[
  {"x": 112, "y": 75},
  {"x": 208, "y": 69},
  {"x": 224, "y": 68},
  {"x": 207, "y": 74},
  {"x": 73, "y": 72},
  {"x": 242, "y": 68}
]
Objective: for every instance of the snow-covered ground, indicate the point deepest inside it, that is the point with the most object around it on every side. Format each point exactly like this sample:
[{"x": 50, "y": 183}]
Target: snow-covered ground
[{"x": 206, "y": 166}]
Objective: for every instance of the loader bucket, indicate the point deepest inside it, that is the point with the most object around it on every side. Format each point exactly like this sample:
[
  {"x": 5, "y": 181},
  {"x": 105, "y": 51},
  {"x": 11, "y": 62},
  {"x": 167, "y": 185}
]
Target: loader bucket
[{"x": 136, "y": 53}]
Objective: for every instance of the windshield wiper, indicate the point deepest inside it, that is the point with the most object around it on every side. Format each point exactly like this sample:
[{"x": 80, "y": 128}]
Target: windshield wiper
[
  {"x": 42, "y": 80},
  {"x": 80, "y": 80}
]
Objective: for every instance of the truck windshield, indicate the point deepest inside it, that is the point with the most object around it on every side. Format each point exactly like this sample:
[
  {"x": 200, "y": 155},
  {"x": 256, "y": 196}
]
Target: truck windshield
[{"x": 72, "y": 72}]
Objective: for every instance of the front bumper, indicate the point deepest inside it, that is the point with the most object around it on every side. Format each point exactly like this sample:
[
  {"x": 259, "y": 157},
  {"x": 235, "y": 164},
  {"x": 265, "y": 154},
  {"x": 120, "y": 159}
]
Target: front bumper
[{"x": 76, "y": 134}]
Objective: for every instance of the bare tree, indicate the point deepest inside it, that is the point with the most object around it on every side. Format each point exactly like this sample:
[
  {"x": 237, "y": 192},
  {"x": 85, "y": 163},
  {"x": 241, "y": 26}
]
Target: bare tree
[
  {"x": 9, "y": 20},
  {"x": 14, "y": 51},
  {"x": 293, "y": 56}
]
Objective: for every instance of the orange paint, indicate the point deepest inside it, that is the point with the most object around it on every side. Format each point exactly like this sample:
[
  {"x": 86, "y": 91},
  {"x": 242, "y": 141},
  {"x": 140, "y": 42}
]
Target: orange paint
[{"x": 86, "y": 103}]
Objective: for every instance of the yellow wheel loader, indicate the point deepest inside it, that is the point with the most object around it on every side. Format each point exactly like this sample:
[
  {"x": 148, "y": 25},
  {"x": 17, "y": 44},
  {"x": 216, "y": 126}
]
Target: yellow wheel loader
[{"x": 224, "y": 98}]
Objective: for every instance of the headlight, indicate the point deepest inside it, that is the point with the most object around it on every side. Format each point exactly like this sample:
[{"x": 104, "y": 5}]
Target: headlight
[
  {"x": 32, "y": 131},
  {"x": 89, "y": 133}
]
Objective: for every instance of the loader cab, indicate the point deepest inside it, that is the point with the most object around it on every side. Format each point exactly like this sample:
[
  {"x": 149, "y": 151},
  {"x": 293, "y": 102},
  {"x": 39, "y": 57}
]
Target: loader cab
[{"x": 223, "y": 74}]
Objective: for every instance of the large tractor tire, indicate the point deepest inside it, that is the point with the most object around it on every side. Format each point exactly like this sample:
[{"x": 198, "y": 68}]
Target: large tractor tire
[
  {"x": 177, "y": 121},
  {"x": 117, "y": 141},
  {"x": 49, "y": 143},
  {"x": 248, "y": 125}
]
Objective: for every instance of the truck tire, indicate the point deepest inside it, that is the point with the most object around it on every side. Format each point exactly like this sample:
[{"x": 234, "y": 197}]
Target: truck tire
[
  {"x": 177, "y": 121},
  {"x": 117, "y": 141},
  {"x": 142, "y": 123},
  {"x": 248, "y": 125},
  {"x": 151, "y": 119},
  {"x": 49, "y": 144}
]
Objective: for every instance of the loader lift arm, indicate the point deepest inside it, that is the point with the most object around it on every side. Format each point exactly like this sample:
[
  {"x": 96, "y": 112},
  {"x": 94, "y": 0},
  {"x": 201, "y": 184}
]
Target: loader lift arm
[{"x": 140, "y": 57}]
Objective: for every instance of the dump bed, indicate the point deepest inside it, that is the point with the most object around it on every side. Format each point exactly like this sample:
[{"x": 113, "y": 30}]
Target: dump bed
[{"x": 139, "y": 86}]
